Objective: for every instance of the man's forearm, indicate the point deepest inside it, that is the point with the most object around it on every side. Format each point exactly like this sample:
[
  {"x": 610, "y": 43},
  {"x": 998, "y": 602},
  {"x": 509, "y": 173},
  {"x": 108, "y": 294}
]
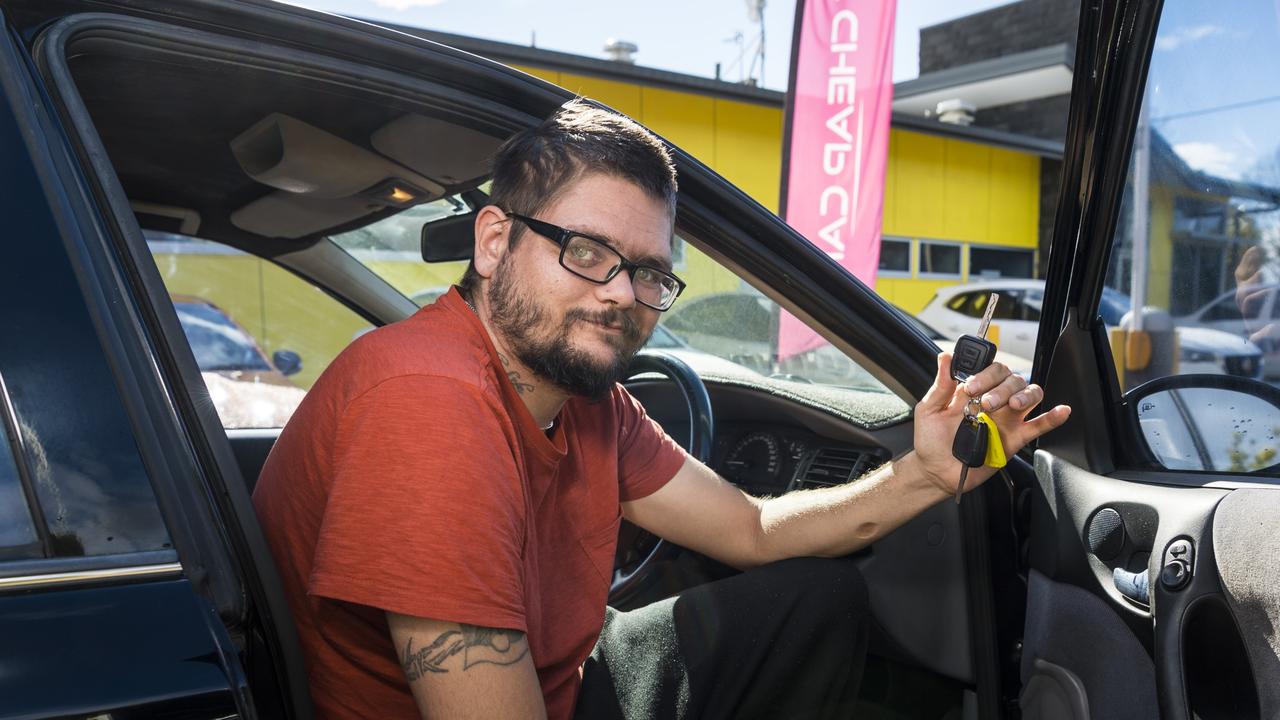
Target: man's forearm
[{"x": 836, "y": 521}]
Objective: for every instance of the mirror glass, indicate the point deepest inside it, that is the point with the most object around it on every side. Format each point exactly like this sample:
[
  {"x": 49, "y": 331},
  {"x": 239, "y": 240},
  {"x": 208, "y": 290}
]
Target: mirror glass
[{"x": 1210, "y": 429}]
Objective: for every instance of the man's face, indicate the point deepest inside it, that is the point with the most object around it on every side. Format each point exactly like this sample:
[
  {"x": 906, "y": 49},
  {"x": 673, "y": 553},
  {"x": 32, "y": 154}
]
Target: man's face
[{"x": 577, "y": 334}]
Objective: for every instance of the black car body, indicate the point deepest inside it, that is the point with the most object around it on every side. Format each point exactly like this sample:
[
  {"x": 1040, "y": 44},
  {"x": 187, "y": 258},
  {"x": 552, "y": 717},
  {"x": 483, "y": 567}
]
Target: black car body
[{"x": 134, "y": 579}]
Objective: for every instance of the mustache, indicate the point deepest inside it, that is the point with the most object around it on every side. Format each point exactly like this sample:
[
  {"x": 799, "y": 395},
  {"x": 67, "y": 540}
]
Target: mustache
[{"x": 615, "y": 318}]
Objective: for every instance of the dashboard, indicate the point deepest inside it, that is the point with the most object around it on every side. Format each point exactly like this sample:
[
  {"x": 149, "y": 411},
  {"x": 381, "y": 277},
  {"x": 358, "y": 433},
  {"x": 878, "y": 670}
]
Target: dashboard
[{"x": 765, "y": 459}]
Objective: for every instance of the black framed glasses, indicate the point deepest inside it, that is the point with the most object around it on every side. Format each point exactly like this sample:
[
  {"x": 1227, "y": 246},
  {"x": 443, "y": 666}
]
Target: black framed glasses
[{"x": 593, "y": 260}]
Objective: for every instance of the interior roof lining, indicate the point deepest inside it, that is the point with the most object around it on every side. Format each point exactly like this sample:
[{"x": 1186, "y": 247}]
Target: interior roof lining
[{"x": 101, "y": 86}]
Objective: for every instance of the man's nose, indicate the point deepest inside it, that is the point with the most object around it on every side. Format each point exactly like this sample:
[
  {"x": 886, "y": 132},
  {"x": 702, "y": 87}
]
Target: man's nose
[{"x": 618, "y": 291}]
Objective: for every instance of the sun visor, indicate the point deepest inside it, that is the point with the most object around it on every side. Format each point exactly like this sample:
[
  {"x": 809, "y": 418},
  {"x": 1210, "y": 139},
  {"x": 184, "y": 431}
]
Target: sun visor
[
  {"x": 450, "y": 153},
  {"x": 324, "y": 180},
  {"x": 293, "y": 216}
]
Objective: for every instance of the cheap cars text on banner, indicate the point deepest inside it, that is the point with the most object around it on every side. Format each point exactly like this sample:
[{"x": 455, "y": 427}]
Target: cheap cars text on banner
[{"x": 836, "y": 141}]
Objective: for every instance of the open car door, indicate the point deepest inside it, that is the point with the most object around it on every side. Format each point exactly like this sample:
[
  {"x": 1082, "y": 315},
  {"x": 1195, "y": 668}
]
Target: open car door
[{"x": 1154, "y": 586}]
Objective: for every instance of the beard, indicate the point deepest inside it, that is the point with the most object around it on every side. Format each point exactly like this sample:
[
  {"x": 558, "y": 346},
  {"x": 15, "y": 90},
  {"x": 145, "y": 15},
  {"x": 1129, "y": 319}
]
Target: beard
[{"x": 548, "y": 354}]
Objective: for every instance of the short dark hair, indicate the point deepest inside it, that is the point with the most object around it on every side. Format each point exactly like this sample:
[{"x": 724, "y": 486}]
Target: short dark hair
[{"x": 535, "y": 166}]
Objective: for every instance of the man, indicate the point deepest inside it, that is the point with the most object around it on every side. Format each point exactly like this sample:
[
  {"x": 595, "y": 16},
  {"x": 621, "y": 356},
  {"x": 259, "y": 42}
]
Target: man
[{"x": 444, "y": 504}]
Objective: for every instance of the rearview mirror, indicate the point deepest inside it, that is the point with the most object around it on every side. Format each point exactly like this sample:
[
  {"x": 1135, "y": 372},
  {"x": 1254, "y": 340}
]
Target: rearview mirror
[{"x": 1210, "y": 422}]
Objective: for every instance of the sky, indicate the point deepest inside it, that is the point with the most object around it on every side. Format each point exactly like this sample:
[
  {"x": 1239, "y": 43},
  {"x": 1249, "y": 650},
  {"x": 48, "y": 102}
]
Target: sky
[{"x": 688, "y": 36}]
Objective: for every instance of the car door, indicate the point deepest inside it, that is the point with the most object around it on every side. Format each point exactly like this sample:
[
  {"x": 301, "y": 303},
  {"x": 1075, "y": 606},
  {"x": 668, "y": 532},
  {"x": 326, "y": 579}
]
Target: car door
[
  {"x": 937, "y": 576},
  {"x": 119, "y": 595},
  {"x": 1153, "y": 586}
]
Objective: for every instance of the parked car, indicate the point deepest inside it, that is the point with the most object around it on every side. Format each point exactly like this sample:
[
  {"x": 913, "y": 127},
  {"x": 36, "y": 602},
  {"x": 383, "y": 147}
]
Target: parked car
[
  {"x": 247, "y": 389},
  {"x": 1016, "y": 363},
  {"x": 958, "y": 309},
  {"x": 1119, "y": 575},
  {"x": 1252, "y": 321}
]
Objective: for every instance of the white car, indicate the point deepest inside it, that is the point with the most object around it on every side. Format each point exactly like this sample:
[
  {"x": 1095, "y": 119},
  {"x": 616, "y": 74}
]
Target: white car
[
  {"x": 958, "y": 310},
  {"x": 1257, "y": 317}
]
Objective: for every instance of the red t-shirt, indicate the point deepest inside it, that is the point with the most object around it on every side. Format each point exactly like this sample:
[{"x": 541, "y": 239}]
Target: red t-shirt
[{"x": 413, "y": 479}]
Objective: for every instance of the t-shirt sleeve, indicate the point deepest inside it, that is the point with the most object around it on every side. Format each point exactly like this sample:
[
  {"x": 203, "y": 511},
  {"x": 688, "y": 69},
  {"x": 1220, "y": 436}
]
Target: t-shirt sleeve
[
  {"x": 647, "y": 457},
  {"x": 426, "y": 513}
]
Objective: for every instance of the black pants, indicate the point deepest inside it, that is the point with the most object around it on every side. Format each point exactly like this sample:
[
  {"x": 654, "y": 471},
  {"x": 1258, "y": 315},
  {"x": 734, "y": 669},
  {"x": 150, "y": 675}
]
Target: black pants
[{"x": 786, "y": 640}]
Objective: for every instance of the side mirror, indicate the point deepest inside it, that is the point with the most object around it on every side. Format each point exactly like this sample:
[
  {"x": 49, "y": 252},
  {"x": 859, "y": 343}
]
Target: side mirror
[
  {"x": 1220, "y": 423},
  {"x": 287, "y": 362}
]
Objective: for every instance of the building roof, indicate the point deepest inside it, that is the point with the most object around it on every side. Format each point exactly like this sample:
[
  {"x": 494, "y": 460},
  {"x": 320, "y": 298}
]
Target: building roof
[
  {"x": 637, "y": 74},
  {"x": 1030, "y": 75}
]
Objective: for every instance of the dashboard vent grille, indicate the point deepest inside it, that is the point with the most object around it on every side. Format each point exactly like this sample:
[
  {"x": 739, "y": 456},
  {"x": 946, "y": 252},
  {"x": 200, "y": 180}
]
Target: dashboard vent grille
[{"x": 834, "y": 466}]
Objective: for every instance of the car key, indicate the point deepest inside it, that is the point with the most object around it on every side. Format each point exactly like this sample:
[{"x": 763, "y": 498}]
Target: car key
[
  {"x": 970, "y": 444},
  {"x": 974, "y": 353}
]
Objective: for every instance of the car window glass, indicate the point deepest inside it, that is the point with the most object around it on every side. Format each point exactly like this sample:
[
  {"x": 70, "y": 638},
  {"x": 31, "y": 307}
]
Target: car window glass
[
  {"x": 718, "y": 316},
  {"x": 1008, "y": 307},
  {"x": 1225, "y": 309},
  {"x": 16, "y": 526},
  {"x": 1194, "y": 256},
  {"x": 960, "y": 303},
  {"x": 260, "y": 335},
  {"x": 725, "y": 326},
  {"x": 392, "y": 249}
]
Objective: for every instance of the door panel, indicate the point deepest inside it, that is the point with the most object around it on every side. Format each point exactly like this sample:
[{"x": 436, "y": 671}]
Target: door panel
[{"x": 133, "y": 651}]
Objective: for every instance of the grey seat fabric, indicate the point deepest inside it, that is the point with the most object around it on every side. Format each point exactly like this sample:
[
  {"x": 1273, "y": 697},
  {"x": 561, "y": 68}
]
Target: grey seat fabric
[{"x": 1246, "y": 543}]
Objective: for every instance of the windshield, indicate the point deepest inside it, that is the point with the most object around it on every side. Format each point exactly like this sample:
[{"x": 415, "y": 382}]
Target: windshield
[{"x": 718, "y": 318}]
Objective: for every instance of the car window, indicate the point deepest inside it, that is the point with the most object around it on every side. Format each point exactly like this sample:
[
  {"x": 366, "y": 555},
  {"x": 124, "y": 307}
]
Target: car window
[
  {"x": 260, "y": 335},
  {"x": 719, "y": 316},
  {"x": 1008, "y": 307},
  {"x": 1225, "y": 309},
  {"x": 1194, "y": 255},
  {"x": 392, "y": 249},
  {"x": 961, "y": 303},
  {"x": 17, "y": 529}
]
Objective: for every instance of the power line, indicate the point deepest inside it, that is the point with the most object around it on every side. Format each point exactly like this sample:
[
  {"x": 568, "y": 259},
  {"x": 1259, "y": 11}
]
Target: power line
[{"x": 1219, "y": 108}]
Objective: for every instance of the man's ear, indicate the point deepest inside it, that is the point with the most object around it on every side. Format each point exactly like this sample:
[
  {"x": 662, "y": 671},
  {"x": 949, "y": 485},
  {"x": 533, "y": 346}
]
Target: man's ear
[{"x": 492, "y": 231}]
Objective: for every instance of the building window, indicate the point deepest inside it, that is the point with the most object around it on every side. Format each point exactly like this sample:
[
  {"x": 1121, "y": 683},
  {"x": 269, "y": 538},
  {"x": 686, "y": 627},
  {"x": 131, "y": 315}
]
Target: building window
[
  {"x": 988, "y": 262},
  {"x": 895, "y": 256},
  {"x": 939, "y": 258}
]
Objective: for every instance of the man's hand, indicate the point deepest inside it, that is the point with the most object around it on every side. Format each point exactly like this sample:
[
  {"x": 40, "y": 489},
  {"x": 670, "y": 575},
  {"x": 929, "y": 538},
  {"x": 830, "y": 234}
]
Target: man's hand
[{"x": 1006, "y": 397}]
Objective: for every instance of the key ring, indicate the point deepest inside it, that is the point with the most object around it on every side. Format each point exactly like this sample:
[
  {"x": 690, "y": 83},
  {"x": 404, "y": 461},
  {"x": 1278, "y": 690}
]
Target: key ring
[{"x": 973, "y": 401}]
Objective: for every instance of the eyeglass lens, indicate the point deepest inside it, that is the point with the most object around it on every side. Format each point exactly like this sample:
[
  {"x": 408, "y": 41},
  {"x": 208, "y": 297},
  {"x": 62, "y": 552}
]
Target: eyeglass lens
[{"x": 596, "y": 261}]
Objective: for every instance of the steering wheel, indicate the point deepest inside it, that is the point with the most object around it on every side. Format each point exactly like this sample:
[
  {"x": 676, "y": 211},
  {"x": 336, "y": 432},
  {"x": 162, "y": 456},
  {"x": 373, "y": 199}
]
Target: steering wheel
[{"x": 628, "y": 578}]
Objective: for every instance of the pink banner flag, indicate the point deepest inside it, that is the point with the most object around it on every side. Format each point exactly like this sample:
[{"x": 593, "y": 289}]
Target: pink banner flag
[{"x": 836, "y": 143}]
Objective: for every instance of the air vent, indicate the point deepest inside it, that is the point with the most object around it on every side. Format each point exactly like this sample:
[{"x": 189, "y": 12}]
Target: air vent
[{"x": 833, "y": 466}]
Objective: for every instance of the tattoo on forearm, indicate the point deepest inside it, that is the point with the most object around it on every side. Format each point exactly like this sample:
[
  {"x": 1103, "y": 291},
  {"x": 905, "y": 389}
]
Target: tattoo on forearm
[
  {"x": 476, "y": 645},
  {"x": 521, "y": 386}
]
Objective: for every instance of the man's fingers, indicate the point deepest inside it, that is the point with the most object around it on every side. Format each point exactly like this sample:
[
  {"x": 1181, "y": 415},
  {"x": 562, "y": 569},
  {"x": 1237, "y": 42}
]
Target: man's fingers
[
  {"x": 1041, "y": 424},
  {"x": 944, "y": 386},
  {"x": 987, "y": 380},
  {"x": 1014, "y": 394}
]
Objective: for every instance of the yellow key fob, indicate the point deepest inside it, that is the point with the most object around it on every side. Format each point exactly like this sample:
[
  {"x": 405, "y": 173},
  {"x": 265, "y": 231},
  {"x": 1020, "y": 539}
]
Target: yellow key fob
[{"x": 995, "y": 449}]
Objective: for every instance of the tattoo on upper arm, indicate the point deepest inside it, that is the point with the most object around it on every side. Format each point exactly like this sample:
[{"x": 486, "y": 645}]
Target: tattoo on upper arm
[{"x": 475, "y": 645}]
